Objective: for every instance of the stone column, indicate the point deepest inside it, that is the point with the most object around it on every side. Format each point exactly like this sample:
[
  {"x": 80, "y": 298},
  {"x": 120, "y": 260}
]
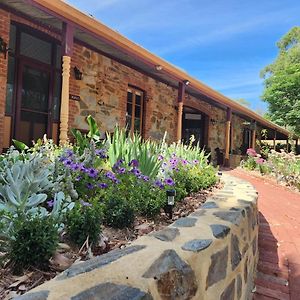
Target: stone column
[
  {"x": 227, "y": 137},
  {"x": 181, "y": 93},
  {"x": 64, "y": 106}
]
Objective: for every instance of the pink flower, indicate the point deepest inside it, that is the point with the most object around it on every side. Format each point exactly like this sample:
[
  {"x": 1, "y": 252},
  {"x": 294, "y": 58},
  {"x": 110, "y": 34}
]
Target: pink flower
[
  {"x": 251, "y": 152},
  {"x": 260, "y": 161}
]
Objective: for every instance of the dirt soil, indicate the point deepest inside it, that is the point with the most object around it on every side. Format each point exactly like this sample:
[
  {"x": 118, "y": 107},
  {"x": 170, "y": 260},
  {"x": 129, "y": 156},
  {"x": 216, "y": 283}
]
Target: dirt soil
[{"x": 12, "y": 285}]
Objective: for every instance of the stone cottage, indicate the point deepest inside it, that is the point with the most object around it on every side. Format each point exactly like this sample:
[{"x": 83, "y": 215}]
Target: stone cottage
[{"x": 58, "y": 65}]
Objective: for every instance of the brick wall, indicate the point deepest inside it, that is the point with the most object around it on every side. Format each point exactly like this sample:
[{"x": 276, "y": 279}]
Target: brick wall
[{"x": 4, "y": 33}]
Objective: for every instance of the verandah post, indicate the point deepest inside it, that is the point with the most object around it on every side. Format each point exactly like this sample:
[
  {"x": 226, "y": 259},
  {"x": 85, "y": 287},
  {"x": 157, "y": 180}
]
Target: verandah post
[
  {"x": 67, "y": 48},
  {"x": 181, "y": 95},
  {"x": 227, "y": 136}
]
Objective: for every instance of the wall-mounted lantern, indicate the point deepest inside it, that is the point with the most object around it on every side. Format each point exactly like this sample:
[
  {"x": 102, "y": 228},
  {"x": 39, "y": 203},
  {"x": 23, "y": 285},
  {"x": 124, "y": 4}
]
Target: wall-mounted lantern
[
  {"x": 213, "y": 122},
  {"x": 186, "y": 82},
  {"x": 78, "y": 73},
  {"x": 3, "y": 47}
]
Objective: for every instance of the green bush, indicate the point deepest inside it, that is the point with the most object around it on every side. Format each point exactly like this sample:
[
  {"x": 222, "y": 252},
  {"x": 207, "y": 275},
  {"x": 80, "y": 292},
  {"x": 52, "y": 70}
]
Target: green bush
[
  {"x": 118, "y": 212},
  {"x": 34, "y": 241},
  {"x": 84, "y": 221},
  {"x": 194, "y": 179}
]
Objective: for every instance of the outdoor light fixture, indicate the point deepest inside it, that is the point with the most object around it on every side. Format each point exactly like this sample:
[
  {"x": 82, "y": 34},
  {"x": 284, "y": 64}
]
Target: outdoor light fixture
[
  {"x": 170, "y": 202},
  {"x": 3, "y": 47},
  {"x": 78, "y": 73},
  {"x": 186, "y": 82},
  {"x": 158, "y": 67},
  {"x": 213, "y": 122}
]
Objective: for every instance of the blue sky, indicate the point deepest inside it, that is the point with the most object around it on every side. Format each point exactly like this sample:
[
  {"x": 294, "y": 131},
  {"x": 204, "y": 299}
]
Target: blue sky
[{"x": 223, "y": 43}]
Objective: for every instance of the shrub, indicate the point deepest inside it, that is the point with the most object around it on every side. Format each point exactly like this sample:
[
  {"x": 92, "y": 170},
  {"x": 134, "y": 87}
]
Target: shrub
[
  {"x": 194, "y": 179},
  {"x": 34, "y": 241},
  {"x": 118, "y": 212},
  {"x": 83, "y": 221}
]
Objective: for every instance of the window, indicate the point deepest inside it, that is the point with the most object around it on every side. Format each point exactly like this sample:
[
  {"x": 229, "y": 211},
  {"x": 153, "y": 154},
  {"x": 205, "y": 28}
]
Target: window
[{"x": 134, "y": 112}]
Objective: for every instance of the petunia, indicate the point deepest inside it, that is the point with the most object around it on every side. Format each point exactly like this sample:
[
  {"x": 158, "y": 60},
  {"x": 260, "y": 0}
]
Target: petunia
[
  {"x": 89, "y": 186},
  {"x": 103, "y": 185},
  {"x": 83, "y": 203},
  {"x": 134, "y": 163},
  {"x": 169, "y": 181},
  {"x": 121, "y": 171},
  {"x": 93, "y": 172}
]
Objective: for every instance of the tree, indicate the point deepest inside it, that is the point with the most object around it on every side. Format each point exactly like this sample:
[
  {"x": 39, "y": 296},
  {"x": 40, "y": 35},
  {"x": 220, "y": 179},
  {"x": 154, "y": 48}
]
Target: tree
[
  {"x": 282, "y": 82},
  {"x": 243, "y": 102}
]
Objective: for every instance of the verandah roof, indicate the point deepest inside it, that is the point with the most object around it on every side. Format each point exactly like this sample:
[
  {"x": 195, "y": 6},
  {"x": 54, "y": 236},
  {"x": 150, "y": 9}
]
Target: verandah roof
[{"x": 103, "y": 39}]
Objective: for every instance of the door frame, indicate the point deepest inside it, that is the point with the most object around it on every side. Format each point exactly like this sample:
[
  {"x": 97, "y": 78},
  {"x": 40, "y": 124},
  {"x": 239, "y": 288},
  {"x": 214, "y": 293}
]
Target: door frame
[{"x": 41, "y": 67}]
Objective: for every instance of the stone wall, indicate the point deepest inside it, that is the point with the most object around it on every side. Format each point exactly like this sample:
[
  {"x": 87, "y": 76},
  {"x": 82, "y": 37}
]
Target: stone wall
[{"x": 211, "y": 254}]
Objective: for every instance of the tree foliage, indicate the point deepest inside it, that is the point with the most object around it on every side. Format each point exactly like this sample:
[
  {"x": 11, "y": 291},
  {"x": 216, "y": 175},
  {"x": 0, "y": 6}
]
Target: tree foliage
[{"x": 282, "y": 82}]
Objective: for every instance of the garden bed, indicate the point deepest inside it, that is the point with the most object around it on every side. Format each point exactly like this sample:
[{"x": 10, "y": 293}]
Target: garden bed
[
  {"x": 62, "y": 204},
  {"x": 282, "y": 167},
  {"x": 111, "y": 239}
]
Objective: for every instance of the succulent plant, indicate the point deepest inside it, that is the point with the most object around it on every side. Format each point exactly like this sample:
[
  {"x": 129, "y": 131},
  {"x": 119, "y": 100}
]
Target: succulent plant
[{"x": 24, "y": 185}]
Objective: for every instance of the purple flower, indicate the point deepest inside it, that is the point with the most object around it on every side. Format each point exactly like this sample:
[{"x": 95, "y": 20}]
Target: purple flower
[
  {"x": 83, "y": 169},
  {"x": 184, "y": 162},
  {"x": 110, "y": 175},
  {"x": 136, "y": 172},
  {"x": 169, "y": 181},
  {"x": 83, "y": 203},
  {"x": 145, "y": 178},
  {"x": 101, "y": 153},
  {"x": 69, "y": 152},
  {"x": 89, "y": 186},
  {"x": 159, "y": 184},
  {"x": 160, "y": 157},
  {"x": 92, "y": 172},
  {"x": 134, "y": 163},
  {"x": 115, "y": 180},
  {"x": 78, "y": 178},
  {"x": 50, "y": 203},
  {"x": 103, "y": 185},
  {"x": 118, "y": 164},
  {"x": 121, "y": 171},
  {"x": 195, "y": 161},
  {"x": 74, "y": 167},
  {"x": 62, "y": 158},
  {"x": 67, "y": 162}
]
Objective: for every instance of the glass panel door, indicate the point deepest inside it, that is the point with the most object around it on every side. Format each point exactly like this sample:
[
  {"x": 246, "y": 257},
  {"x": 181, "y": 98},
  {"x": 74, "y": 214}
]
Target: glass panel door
[{"x": 33, "y": 113}]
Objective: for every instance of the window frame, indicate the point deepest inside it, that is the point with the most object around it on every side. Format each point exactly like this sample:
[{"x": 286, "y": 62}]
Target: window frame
[{"x": 135, "y": 91}]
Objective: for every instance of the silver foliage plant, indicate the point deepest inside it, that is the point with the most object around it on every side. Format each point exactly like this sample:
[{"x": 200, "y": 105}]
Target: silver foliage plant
[{"x": 26, "y": 183}]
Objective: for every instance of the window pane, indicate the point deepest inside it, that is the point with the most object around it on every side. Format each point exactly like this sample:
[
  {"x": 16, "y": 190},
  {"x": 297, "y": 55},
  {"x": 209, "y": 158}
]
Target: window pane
[
  {"x": 129, "y": 109},
  {"x": 137, "y": 112},
  {"x": 128, "y": 122},
  {"x": 138, "y": 99},
  {"x": 10, "y": 84},
  {"x": 137, "y": 124},
  {"x": 56, "y": 96},
  {"x": 35, "y": 89},
  {"x": 12, "y": 38},
  {"x": 35, "y": 48},
  {"x": 58, "y": 61},
  {"x": 129, "y": 97}
]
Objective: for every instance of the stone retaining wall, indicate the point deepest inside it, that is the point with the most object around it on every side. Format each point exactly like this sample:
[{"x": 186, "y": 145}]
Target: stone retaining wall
[{"x": 211, "y": 254}]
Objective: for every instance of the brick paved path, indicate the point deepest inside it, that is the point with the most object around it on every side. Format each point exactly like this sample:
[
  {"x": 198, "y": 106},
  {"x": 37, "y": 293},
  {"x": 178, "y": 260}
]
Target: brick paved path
[{"x": 278, "y": 274}]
